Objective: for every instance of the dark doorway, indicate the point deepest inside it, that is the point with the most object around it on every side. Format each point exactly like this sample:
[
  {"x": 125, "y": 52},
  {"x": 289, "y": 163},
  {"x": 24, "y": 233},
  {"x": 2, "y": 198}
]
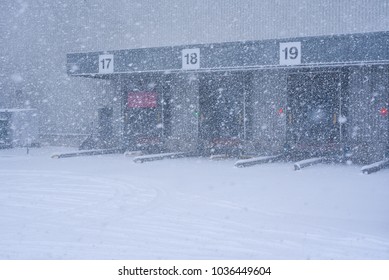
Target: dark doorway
[
  {"x": 314, "y": 108},
  {"x": 5, "y": 133},
  {"x": 147, "y": 120},
  {"x": 221, "y": 118}
]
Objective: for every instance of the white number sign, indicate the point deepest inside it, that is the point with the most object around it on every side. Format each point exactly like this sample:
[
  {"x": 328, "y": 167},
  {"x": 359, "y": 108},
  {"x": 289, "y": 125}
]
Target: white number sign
[
  {"x": 105, "y": 63},
  {"x": 290, "y": 53},
  {"x": 190, "y": 59}
]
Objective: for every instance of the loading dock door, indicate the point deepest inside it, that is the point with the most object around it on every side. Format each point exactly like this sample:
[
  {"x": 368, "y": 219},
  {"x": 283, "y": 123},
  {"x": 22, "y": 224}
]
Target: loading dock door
[
  {"x": 313, "y": 111},
  {"x": 144, "y": 121},
  {"x": 221, "y": 119}
]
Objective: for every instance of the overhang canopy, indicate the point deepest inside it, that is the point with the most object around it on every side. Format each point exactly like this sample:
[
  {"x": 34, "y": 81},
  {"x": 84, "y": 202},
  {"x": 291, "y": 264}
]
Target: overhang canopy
[{"x": 334, "y": 50}]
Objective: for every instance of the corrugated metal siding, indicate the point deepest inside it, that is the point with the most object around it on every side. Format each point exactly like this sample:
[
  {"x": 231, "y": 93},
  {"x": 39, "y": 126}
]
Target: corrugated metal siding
[
  {"x": 121, "y": 24},
  {"x": 367, "y": 129},
  {"x": 380, "y": 99},
  {"x": 360, "y": 113},
  {"x": 36, "y": 38},
  {"x": 175, "y": 22}
]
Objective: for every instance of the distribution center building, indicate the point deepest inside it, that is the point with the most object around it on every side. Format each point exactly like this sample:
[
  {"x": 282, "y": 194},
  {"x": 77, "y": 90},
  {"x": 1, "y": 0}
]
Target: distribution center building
[{"x": 302, "y": 97}]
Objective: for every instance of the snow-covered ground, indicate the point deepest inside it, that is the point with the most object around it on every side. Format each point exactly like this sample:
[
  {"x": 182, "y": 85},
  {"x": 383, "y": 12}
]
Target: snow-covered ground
[{"x": 108, "y": 207}]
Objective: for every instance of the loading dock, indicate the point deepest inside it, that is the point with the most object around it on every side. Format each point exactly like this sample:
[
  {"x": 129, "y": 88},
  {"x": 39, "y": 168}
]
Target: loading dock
[
  {"x": 222, "y": 114},
  {"x": 142, "y": 119},
  {"x": 314, "y": 109},
  {"x": 147, "y": 113},
  {"x": 306, "y": 97}
]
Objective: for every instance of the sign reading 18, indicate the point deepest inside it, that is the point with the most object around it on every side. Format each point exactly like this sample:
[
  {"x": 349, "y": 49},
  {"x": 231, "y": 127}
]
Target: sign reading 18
[
  {"x": 290, "y": 53},
  {"x": 190, "y": 59}
]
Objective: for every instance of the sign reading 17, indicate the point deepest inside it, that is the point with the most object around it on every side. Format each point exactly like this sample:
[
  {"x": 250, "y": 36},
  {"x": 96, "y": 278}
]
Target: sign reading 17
[{"x": 106, "y": 63}]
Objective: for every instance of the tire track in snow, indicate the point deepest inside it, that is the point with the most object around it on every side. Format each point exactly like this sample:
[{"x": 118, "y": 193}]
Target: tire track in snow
[
  {"x": 128, "y": 219},
  {"x": 44, "y": 190},
  {"x": 225, "y": 231},
  {"x": 40, "y": 204}
]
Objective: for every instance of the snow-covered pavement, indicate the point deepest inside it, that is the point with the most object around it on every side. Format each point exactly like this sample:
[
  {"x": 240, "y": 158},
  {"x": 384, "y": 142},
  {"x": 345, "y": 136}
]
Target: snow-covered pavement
[{"x": 108, "y": 207}]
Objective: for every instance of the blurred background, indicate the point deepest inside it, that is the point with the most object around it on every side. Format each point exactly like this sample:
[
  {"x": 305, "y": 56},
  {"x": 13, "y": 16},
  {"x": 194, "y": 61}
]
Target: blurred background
[{"x": 36, "y": 35}]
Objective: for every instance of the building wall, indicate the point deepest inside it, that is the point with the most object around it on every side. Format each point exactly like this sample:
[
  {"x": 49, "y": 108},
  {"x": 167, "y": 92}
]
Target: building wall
[
  {"x": 36, "y": 35},
  {"x": 365, "y": 90},
  {"x": 150, "y": 23},
  {"x": 367, "y": 129}
]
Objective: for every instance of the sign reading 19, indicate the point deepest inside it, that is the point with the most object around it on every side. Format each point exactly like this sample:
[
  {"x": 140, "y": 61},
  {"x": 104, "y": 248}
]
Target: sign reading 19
[{"x": 290, "y": 53}]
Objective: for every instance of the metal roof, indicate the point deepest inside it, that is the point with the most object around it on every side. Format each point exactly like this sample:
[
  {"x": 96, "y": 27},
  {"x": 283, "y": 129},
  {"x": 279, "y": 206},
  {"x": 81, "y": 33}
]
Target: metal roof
[{"x": 334, "y": 50}]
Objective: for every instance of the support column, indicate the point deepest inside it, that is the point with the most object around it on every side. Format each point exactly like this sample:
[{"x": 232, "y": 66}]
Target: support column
[
  {"x": 184, "y": 106},
  {"x": 269, "y": 107}
]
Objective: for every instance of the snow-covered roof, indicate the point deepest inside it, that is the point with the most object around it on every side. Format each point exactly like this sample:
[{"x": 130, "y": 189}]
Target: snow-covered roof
[
  {"x": 15, "y": 110},
  {"x": 333, "y": 50}
]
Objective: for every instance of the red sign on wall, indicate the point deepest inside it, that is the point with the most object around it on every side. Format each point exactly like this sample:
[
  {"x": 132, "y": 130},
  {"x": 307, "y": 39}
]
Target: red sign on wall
[
  {"x": 142, "y": 100},
  {"x": 384, "y": 111}
]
